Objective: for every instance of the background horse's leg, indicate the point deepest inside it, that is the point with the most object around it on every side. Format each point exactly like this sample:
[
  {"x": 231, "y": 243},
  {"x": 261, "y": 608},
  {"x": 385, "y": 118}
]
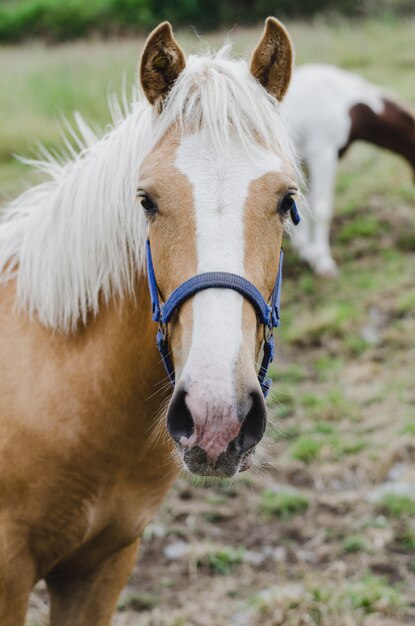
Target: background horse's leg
[
  {"x": 322, "y": 167},
  {"x": 90, "y": 600},
  {"x": 17, "y": 577}
]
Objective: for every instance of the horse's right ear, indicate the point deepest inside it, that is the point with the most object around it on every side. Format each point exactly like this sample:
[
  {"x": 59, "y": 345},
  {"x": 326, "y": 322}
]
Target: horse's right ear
[
  {"x": 161, "y": 63},
  {"x": 272, "y": 59}
]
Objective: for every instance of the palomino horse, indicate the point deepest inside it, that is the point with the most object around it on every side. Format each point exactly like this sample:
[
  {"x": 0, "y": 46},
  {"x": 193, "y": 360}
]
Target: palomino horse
[
  {"x": 204, "y": 169},
  {"x": 328, "y": 109}
]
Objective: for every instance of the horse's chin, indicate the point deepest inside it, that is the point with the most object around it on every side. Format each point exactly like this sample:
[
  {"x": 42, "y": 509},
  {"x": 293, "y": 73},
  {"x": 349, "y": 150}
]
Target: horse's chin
[{"x": 228, "y": 464}]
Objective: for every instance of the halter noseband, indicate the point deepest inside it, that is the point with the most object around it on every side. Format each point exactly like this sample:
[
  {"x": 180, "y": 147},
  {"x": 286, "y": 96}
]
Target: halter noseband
[{"x": 268, "y": 314}]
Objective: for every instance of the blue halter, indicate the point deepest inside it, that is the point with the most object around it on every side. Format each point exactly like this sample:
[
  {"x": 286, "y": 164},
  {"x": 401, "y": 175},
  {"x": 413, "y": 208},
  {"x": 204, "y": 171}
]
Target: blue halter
[{"x": 268, "y": 314}]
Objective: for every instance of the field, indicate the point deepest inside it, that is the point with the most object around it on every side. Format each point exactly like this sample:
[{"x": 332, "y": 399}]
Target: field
[{"x": 324, "y": 533}]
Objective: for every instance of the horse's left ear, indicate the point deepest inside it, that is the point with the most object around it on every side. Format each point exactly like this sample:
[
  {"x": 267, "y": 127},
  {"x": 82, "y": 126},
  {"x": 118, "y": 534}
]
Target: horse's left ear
[
  {"x": 272, "y": 59},
  {"x": 161, "y": 63}
]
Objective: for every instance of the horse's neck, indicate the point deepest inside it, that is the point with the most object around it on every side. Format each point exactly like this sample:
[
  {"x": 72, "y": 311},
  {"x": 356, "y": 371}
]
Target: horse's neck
[
  {"x": 83, "y": 411},
  {"x": 105, "y": 379},
  {"x": 393, "y": 128}
]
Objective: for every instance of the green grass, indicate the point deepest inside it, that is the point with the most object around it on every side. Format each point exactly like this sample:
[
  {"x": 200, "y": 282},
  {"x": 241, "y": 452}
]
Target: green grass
[
  {"x": 409, "y": 428},
  {"x": 306, "y": 449},
  {"x": 326, "y": 603},
  {"x": 372, "y": 591},
  {"x": 332, "y": 406},
  {"x": 36, "y": 86},
  {"x": 223, "y": 560},
  {"x": 353, "y": 544},
  {"x": 397, "y": 505},
  {"x": 406, "y": 538},
  {"x": 283, "y": 504}
]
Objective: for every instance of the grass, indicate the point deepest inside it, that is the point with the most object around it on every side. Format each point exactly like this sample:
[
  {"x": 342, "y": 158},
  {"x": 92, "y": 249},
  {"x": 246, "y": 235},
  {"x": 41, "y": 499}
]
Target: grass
[
  {"x": 327, "y": 603},
  {"x": 373, "y": 593},
  {"x": 397, "y": 505},
  {"x": 353, "y": 544},
  {"x": 409, "y": 428},
  {"x": 306, "y": 449},
  {"x": 219, "y": 559},
  {"x": 37, "y": 86},
  {"x": 406, "y": 538},
  {"x": 283, "y": 504}
]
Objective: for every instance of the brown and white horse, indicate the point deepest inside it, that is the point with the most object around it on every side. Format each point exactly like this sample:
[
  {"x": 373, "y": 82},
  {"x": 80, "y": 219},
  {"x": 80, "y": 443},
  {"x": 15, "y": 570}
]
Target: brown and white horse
[
  {"x": 205, "y": 169},
  {"x": 327, "y": 109}
]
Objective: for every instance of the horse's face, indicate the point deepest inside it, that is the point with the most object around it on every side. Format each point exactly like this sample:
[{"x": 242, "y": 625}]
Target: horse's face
[{"x": 212, "y": 211}]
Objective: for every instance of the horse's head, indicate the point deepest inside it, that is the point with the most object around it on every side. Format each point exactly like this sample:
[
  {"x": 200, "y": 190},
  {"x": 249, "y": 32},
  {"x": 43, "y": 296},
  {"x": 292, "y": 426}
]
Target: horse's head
[{"x": 215, "y": 190}]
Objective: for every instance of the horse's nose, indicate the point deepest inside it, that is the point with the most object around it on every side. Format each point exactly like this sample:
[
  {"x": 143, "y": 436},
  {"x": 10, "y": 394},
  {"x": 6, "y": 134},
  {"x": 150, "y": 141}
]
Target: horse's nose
[
  {"x": 180, "y": 422},
  {"x": 196, "y": 418}
]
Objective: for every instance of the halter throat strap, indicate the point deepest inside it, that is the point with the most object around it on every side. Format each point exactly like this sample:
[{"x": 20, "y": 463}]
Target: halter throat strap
[{"x": 268, "y": 314}]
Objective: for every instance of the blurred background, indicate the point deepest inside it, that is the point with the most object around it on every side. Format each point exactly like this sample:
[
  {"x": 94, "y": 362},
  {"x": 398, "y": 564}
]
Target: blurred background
[{"x": 323, "y": 532}]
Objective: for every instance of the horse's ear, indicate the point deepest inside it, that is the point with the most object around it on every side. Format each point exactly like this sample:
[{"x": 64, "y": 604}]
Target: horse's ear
[
  {"x": 272, "y": 60},
  {"x": 161, "y": 63}
]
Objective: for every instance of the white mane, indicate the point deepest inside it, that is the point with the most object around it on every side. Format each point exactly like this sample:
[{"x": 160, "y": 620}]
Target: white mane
[{"x": 78, "y": 239}]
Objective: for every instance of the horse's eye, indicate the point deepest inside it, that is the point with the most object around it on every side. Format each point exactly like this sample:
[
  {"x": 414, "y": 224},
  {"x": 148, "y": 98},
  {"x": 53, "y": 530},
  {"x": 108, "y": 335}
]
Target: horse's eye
[
  {"x": 286, "y": 203},
  {"x": 287, "y": 206},
  {"x": 147, "y": 203}
]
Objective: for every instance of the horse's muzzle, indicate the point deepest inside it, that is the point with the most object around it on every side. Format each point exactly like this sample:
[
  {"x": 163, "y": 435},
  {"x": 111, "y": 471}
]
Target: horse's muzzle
[{"x": 216, "y": 440}]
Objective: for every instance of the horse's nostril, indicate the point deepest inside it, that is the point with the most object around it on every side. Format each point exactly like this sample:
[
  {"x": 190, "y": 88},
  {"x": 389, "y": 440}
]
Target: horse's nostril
[
  {"x": 253, "y": 424},
  {"x": 179, "y": 419}
]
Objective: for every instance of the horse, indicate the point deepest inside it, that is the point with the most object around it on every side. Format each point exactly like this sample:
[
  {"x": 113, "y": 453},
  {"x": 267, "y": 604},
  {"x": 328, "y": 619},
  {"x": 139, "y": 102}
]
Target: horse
[
  {"x": 191, "y": 190},
  {"x": 328, "y": 109}
]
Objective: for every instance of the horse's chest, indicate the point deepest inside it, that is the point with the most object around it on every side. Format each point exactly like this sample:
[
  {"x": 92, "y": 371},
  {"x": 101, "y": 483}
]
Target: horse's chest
[{"x": 92, "y": 517}]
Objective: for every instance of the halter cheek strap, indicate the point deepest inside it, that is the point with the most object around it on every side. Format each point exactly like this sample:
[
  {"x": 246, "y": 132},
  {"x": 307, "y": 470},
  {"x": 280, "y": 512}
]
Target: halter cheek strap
[{"x": 268, "y": 314}]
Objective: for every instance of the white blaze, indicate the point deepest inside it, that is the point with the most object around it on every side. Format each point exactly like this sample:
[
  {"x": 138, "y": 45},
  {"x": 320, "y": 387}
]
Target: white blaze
[{"x": 220, "y": 188}]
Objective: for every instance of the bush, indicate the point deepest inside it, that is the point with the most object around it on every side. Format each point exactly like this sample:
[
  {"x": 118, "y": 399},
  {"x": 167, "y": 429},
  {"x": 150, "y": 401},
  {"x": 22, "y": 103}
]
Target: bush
[{"x": 57, "y": 20}]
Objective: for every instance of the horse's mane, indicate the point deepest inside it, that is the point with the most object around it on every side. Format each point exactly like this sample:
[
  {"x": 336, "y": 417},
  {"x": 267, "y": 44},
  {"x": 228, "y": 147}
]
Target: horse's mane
[{"x": 77, "y": 240}]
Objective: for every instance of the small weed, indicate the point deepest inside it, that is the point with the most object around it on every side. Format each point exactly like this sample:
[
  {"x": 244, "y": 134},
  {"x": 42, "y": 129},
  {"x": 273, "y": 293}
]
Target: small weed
[
  {"x": 220, "y": 559},
  {"x": 341, "y": 447},
  {"x": 313, "y": 401},
  {"x": 372, "y": 593},
  {"x": 397, "y": 505},
  {"x": 332, "y": 406},
  {"x": 408, "y": 429},
  {"x": 324, "y": 428},
  {"x": 355, "y": 344},
  {"x": 224, "y": 560},
  {"x": 406, "y": 538},
  {"x": 406, "y": 303},
  {"x": 283, "y": 504},
  {"x": 363, "y": 226},
  {"x": 306, "y": 449},
  {"x": 354, "y": 543}
]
